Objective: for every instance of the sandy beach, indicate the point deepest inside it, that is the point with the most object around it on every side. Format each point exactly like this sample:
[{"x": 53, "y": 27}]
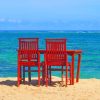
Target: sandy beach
[{"x": 86, "y": 89}]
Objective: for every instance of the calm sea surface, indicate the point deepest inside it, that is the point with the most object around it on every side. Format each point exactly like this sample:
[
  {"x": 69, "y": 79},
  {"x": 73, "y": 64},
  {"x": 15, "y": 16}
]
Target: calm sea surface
[{"x": 88, "y": 41}]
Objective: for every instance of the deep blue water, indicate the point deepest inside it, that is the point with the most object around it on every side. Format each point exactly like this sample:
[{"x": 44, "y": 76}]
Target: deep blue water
[{"x": 88, "y": 41}]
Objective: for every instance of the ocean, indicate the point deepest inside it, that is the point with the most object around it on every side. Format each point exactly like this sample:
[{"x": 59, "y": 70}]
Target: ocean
[{"x": 87, "y": 41}]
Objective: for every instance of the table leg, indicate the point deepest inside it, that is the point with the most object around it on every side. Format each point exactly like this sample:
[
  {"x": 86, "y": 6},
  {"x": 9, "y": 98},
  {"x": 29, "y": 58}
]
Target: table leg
[
  {"x": 72, "y": 71},
  {"x": 78, "y": 68}
]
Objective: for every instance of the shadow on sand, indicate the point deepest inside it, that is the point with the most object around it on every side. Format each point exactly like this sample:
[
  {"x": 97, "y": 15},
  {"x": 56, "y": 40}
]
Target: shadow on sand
[
  {"x": 33, "y": 82},
  {"x": 9, "y": 83}
]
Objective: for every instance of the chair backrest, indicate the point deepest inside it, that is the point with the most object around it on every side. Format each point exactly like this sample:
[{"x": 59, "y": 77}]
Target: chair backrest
[
  {"x": 28, "y": 48},
  {"x": 55, "y": 49},
  {"x": 28, "y": 43}
]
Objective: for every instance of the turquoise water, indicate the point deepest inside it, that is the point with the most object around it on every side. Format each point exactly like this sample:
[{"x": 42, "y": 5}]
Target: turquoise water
[{"x": 88, "y": 41}]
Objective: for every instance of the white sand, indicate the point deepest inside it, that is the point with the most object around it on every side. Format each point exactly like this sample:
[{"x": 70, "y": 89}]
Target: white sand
[{"x": 86, "y": 89}]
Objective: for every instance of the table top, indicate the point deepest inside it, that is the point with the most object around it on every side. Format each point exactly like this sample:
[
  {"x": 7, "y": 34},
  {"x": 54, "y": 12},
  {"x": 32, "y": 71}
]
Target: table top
[{"x": 69, "y": 52}]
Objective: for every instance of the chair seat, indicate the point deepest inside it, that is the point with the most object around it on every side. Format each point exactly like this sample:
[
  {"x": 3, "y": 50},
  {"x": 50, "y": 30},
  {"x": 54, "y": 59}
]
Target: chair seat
[
  {"x": 58, "y": 63},
  {"x": 58, "y": 69},
  {"x": 28, "y": 63}
]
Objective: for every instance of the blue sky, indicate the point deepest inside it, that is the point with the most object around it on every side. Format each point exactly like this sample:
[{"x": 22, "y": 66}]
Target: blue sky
[{"x": 50, "y": 14}]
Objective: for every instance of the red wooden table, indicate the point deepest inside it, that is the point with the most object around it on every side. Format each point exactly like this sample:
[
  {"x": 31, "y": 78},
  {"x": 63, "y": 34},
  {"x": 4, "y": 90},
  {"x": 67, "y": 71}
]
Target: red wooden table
[{"x": 72, "y": 53}]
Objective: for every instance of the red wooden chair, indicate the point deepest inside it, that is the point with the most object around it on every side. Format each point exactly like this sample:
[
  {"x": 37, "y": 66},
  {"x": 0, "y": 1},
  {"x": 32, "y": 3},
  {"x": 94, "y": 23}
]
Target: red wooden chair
[
  {"x": 28, "y": 56},
  {"x": 56, "y": 56}
]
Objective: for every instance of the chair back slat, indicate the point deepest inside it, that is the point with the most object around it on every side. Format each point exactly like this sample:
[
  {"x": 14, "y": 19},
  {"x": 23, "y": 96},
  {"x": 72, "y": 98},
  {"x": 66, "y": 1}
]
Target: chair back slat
[
  {"x": 28, "y": 43},
  {"x": 56, "y": 44},
  {"x": 28, "y": 47},
  {"x": 56, "y": 50}
]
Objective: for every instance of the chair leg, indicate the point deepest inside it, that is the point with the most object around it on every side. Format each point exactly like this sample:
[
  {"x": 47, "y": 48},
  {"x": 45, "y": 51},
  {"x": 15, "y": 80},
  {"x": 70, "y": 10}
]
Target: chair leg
[
  {"x": 46, "y": 78},
  {"x": 29, "y": 74},
  {"x": 19, "y": 78},
  {"x": 43, "y": 74},
  {"x": 66, "y": 75},
  {"x": 50, "y": 74},
  {"x": 23, "y": 74},
  {"x": 39, "y": 75},
  {"x": 47, "y": 73},
  {"x": 20, "y": 74},
  {"x": 70, "y": 75},
  {"x": 62, "y": 73}
]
